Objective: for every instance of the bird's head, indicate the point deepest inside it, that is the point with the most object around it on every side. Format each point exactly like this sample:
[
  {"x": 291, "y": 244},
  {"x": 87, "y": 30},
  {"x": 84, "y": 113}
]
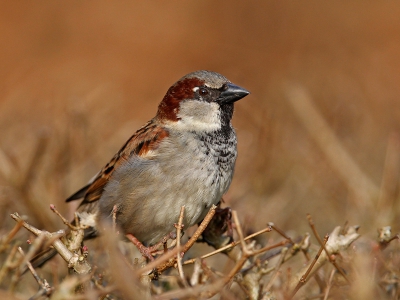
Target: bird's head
[{"x": 200, "y": 101}]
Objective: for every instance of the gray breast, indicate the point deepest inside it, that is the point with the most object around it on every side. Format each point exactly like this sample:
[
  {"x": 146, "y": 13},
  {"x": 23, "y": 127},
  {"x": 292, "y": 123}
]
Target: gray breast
[{"x": 184, "y": 170}]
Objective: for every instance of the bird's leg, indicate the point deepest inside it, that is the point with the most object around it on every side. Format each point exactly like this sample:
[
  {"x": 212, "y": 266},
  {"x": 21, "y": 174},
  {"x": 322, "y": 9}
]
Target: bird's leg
[
  {"x": 145, "y": 251},
  {"x": 163, "y": 242},
  {"x": 148, "y": 251}
]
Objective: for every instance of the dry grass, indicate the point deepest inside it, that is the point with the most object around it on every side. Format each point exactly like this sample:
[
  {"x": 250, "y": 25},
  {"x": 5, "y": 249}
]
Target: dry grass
[{"x": 319, "y": 134}]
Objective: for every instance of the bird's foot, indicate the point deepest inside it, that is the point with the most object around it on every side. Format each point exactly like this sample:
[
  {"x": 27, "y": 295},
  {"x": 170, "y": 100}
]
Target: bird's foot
[{"x": 149, "y": 251}]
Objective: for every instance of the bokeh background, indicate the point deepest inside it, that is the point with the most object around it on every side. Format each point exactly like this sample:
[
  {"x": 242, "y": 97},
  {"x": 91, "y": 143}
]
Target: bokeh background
[{"x": 319, "y": 134}]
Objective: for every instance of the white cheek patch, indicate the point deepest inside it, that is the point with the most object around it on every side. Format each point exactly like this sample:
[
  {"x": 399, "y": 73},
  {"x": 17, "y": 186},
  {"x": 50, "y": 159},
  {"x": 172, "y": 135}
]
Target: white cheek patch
[{"x": 198, "y": 116}]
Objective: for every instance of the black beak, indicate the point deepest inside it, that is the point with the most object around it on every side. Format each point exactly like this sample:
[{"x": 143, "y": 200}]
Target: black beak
[{"x": 232, "y": 93}]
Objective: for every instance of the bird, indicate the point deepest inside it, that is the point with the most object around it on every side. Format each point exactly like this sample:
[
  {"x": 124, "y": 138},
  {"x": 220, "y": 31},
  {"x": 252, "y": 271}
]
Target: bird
[{"x": 184, "y": 156}]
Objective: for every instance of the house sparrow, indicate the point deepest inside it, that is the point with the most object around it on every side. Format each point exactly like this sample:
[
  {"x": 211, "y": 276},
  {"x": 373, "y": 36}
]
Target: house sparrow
[{"x": 185, "y": 155}]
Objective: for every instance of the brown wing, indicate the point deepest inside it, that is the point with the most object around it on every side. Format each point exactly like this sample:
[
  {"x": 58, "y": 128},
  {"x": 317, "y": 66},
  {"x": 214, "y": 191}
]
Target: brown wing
[{"x": 146, "y": 138}]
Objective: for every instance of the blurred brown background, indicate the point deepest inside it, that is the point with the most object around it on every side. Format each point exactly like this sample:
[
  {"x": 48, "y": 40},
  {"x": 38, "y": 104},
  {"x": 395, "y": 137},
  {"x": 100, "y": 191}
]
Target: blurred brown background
[{"x": 318, "y": 134}]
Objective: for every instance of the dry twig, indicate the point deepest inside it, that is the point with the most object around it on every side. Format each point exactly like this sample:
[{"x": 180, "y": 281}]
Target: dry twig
[
  {"x": 330, "y": 257},
  {"x": 178, "y": 245},
  {"x": 76, "y": 262},
  {"x": 45, "y": 288},
  {"x": 304, "y": 277}
]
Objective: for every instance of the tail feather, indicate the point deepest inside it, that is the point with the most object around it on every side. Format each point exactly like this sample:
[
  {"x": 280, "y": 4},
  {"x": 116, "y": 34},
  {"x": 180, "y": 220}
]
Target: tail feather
[
  {"x": 41, "y": 258},
  {"x": 79, "y": 194}
]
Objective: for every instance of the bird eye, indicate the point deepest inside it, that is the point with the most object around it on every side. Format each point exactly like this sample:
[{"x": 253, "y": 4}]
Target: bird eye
[{"x": 203, "y": 91}]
